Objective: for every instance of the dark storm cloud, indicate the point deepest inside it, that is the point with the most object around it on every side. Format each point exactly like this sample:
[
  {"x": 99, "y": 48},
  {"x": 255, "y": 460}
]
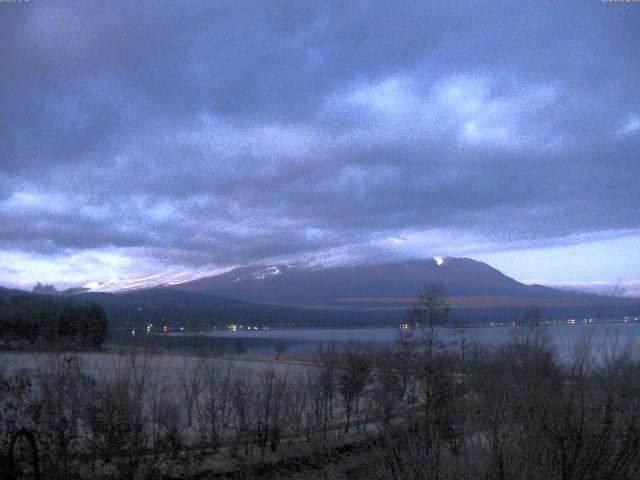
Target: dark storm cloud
[{"x": 230, "y": 132}]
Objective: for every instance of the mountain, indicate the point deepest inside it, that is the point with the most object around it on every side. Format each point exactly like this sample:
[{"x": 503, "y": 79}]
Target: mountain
[
  {"x": 623, "y": 289},
  {"x": 471, "y": 285},
  {"x": 365, "y": 295},
  {"x": 8, "y": 293}
]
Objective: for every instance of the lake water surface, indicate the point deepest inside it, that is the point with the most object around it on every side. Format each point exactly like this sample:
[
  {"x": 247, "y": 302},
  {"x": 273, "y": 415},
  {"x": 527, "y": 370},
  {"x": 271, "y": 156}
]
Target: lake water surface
[{"x": 565, "y": 337}]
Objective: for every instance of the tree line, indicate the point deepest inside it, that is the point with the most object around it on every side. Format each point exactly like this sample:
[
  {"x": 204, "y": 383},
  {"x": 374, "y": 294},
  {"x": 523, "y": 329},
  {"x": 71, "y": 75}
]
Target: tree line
[{"x": 35, "y": 319}]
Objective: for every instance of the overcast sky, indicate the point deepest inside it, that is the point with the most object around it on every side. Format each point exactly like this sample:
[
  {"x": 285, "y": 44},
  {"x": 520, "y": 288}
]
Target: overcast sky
[{"x": 150, "y": 137}]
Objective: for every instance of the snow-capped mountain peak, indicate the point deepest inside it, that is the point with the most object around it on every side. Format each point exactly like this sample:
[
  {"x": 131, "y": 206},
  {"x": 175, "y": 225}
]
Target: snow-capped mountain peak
[{"x": 157, "y": 280}]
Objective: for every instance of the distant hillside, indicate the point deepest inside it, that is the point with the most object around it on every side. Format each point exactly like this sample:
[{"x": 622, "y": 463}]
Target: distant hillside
[
  {"x": 179, "y": 308},
  {"x": 7, "y": 293},
  {"x": 165, "y": 306},
  {"x": 626, "y": 289},
  {"x": 470, "y": 284}
]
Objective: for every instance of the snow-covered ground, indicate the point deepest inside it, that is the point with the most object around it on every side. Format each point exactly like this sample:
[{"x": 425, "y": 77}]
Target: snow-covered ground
[{"x": 164, "y": 366}]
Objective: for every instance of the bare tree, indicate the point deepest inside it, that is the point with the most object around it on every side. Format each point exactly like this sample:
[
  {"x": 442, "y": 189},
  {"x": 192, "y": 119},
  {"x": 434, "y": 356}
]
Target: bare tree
[
  {"x": 328, "y": 358},
  {"x": 61, "y": 387},
  {"x": 191, "y": 386},
  {"x": 118, "y": 431},
  {"x": 387, "y": 386},
  {"x": 241, "y": 399},
  {"x": 426, "y": 316},
  {"x": 269, "y": 408},
  {"x": 353, "y": 378},
  {"x": 214, "y": 409}
]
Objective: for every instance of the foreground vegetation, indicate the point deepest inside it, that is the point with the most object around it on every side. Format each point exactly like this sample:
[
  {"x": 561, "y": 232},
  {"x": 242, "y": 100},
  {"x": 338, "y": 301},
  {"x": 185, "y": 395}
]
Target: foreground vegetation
[{"x": 414, "y": 411}]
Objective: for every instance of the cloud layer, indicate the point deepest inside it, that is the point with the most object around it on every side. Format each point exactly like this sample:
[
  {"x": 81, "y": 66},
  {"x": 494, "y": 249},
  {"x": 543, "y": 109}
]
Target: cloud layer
[{"x": 199, "y": 135}]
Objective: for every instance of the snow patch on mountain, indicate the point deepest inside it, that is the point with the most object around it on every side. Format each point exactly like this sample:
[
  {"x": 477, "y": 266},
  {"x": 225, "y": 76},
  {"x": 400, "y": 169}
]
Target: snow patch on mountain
[
  {"x": 267, "y": 272},
  {"x": 164, "y": 279}
]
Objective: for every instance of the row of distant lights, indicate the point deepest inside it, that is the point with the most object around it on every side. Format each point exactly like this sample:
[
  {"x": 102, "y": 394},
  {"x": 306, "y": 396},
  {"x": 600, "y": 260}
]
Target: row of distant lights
[
  {"x": 234, "y": 328},
  {"x": 231, "y": 327},
  {"x": 568, "y": 321},
  {"x": 149, "y": 327}
]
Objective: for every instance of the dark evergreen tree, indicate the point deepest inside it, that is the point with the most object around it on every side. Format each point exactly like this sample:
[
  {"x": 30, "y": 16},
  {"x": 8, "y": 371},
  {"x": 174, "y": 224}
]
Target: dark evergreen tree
[{"x": 40, "y": 319}]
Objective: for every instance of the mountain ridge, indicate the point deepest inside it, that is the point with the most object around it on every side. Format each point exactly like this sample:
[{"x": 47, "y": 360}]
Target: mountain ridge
[
  {"x": 285, "y": 295},
  {"x": 384, "y": 286},
  {"x": 377, "y": 294}
]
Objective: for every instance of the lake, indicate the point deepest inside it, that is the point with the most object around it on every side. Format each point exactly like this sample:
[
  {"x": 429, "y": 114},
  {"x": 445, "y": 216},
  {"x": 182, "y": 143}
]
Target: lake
[{"x": 564, "y": 336}]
